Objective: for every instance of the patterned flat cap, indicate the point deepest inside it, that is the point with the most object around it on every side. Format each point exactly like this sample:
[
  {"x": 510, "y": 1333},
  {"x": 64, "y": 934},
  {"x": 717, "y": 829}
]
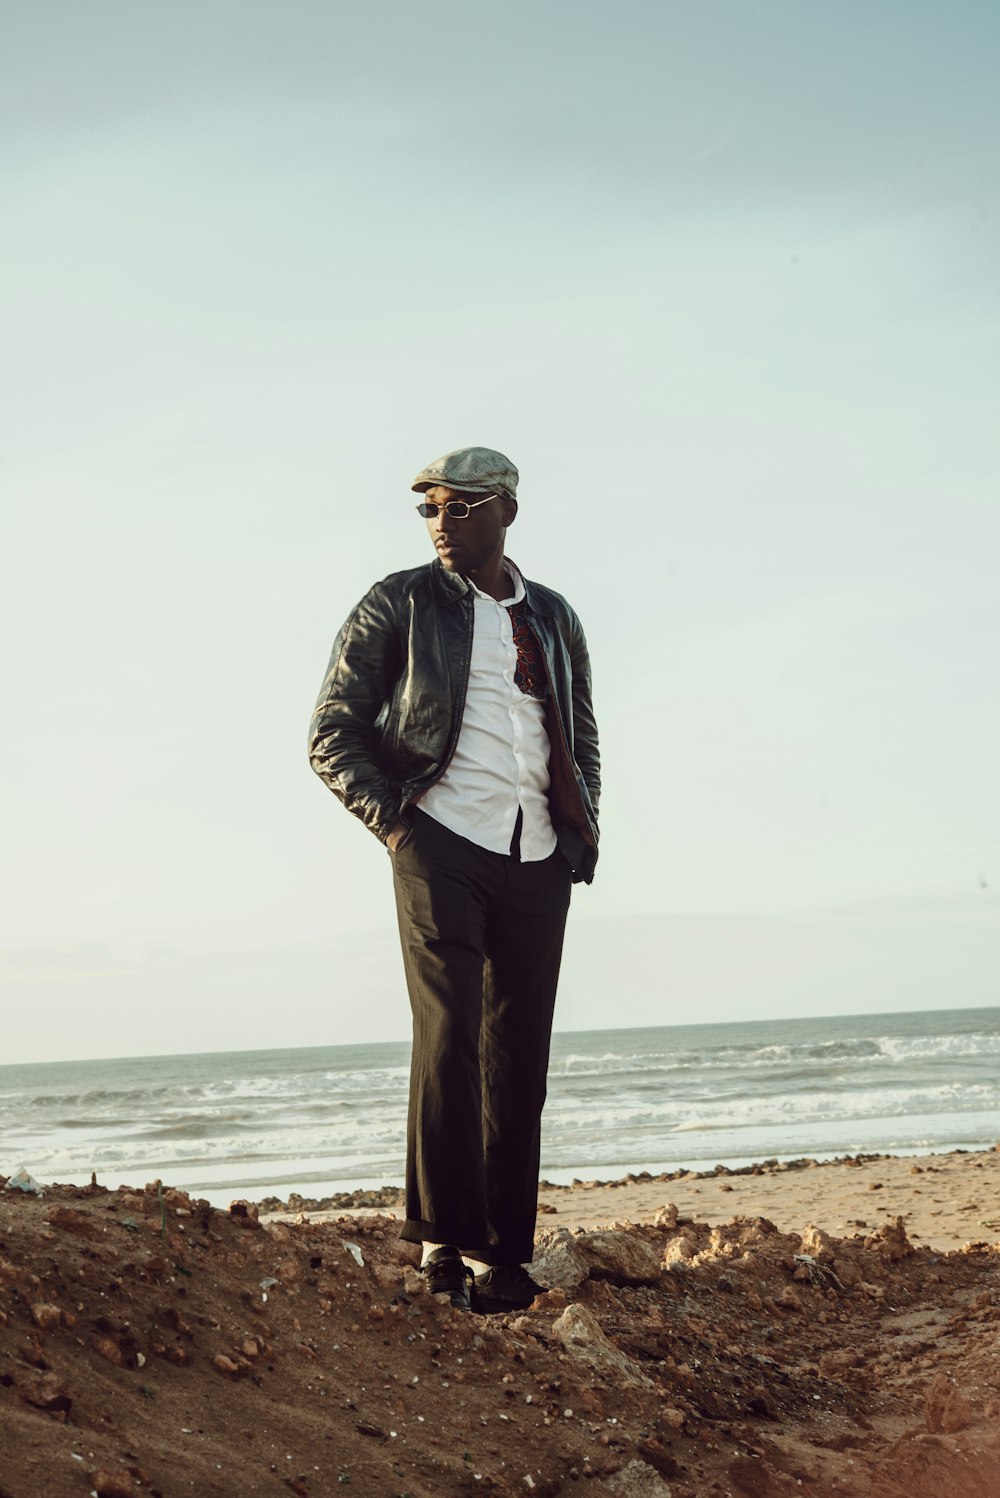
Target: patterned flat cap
[{"x": 477, "y": 470}]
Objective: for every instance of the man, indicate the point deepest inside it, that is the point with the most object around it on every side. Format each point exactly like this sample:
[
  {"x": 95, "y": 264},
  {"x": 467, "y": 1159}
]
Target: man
[{"x": 455, "y": 721}]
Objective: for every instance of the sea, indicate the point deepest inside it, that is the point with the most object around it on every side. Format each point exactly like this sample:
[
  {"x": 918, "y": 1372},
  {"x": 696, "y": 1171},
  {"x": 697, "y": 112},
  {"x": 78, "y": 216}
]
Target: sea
[{"x": 327, "y": 1119}]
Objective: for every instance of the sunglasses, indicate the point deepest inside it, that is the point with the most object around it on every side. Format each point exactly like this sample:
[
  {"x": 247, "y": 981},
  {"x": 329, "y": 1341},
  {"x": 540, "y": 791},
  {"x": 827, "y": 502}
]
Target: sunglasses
[{"x": 458, "y": 509}]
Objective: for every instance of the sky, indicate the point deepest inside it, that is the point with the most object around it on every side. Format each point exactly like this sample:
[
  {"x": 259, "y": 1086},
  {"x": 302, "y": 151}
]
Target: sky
[{"x": 723, "y": 280}]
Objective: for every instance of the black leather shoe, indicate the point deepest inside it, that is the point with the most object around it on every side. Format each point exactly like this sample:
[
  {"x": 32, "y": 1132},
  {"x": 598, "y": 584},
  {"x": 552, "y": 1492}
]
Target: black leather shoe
[
  {"x": 447, "y": 1275},
  {"x": 504, "y": 1287}
]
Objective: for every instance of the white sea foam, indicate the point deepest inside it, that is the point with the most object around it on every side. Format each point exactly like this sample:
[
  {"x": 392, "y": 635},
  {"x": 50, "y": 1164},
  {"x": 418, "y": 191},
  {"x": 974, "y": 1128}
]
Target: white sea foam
[{"x": 260, "y": 1121}]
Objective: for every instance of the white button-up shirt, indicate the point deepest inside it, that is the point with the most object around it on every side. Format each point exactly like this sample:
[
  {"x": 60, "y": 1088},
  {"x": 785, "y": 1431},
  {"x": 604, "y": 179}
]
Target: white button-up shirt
[{"x": 501, "y": 760}]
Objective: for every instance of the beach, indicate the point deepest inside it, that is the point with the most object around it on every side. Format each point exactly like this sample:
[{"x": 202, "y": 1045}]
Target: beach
[
  {"x": 944, "y": 1201},
  {"x": 788, "y": 1327}
]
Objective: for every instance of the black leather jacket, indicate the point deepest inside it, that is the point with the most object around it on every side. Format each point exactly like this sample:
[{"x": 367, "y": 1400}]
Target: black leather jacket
[{"x": 390, "y": 709}]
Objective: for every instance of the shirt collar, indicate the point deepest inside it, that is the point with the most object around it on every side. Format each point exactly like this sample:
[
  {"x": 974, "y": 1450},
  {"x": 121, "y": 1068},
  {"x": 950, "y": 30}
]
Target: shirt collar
[{"x": 517, "y": 596}]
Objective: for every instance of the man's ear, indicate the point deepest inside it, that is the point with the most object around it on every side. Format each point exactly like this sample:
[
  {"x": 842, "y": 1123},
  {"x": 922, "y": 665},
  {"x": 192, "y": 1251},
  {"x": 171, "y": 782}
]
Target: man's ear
[{"x": 509, "y": 510}]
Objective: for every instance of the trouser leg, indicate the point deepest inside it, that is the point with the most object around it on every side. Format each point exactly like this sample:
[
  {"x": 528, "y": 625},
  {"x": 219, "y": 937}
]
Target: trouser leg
[
  {"x": 523, "y": 944},
  {"x": 442, "y": 892}
]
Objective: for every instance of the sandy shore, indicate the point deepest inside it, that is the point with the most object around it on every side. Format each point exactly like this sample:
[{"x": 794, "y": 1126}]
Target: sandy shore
[{"x": 945, "y": 1201}]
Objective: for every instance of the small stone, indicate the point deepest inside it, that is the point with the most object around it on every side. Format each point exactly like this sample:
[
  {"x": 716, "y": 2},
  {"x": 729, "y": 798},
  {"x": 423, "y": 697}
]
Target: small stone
[
  {"x": 945, "y": 1408},
  {"x": 109, "y": 1349},
  {"x": 112, "y": 1484},
  {"x": 890, "y": 1241},
  {"x": 244, "y": 1214},
  {"x": 751, "y": 1476},
  {"x": 580, "y": 1334},
  {"x": 817, "y": 1244},
  {"x": 222, "y": 1364},
  {"x": 48, "y": 1392},
  {"x": 680, "y": 1248},
  {"x": 636, "y": 1480},
  {"x": 414, "y": 1283},
  {"x": 45, "y": 1316},
  {"x": 657, "y": 1455}
]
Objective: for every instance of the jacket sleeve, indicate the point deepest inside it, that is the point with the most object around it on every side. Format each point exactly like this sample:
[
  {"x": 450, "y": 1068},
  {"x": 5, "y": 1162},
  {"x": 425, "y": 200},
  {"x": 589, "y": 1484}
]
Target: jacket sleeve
[
  {"x": 585, "y": 746},
  {"x": 344, "y": 735}
]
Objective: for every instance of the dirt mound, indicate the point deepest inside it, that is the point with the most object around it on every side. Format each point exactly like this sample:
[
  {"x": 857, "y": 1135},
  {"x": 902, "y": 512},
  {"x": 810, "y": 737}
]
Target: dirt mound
[{"x": 152, "y": 1345}]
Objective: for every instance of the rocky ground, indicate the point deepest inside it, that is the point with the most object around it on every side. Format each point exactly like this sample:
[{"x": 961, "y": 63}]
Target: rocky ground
[{"x": 152, "y": 1345}]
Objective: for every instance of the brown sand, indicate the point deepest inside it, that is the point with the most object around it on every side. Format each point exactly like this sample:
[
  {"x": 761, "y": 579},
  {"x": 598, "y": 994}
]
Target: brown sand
[
  {"x": 150, "y": 1345},
  {"x": 944, "y": 1200}
]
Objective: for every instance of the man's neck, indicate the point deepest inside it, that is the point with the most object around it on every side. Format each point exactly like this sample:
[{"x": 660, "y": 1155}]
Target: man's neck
[{"x": 492, "y": 579}]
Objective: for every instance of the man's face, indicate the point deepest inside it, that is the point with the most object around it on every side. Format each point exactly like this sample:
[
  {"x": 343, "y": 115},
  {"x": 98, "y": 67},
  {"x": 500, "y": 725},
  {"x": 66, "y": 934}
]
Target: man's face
[{"x": 468, "y": 545}]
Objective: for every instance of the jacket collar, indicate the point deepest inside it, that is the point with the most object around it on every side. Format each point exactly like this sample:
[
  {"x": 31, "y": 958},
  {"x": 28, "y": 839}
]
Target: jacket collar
[{"x": 450, "y": 587}]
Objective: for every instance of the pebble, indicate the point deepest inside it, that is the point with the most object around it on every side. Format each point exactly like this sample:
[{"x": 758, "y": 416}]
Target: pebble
[{"x": 112, "y": 1484}]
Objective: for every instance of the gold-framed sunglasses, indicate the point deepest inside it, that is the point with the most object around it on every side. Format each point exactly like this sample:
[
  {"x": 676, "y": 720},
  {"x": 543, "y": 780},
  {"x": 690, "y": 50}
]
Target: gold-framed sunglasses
[{"x": 458, "y": 509}]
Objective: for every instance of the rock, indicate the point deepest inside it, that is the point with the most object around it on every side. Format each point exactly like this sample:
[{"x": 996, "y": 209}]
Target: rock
[
  {"x": 45, "y": 1316},
  {"x": 552, "y": 1300},
  {"x": 680, "y": 1248},
  {"x": 945, "y": 1408},
  {"x": 659, "y": 1456},
  {"x": 244, "y": 1214},
  {"x": 109, "y": 1349},
  {"x": 559, "y": 1265},
  {"x": 760, "y": 1403},
  {"x": 222, "y": 1364},
  {"x": 890, "y": 1241},
  {"x": 751, "y": 1476},
  {"x": 624, "y": 1258},
  {"x": 789, "y": 1299},
  {"x": 817, "y": 1244},
  {"x": 834, "y": 1364},
  {"x": 666, "y": 1216},
  {"x": 47, "y": 1392},
  {"x": 112, "y": 1484},
  {"x": 580, "y": 1334},
  {"x": 413, "y": 1281},
  {"x": 637, "y": 1480},
  {"x": 9, "y": 1273}
]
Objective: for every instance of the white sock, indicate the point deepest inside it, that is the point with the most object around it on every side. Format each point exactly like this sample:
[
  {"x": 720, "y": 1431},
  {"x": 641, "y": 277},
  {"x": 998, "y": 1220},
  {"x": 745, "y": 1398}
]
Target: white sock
[
  {"x": 476, "y": 1265},
  {"x": 428, "y": 1249}
]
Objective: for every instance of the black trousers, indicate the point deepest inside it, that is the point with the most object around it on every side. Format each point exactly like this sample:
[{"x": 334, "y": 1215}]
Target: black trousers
[{"x": 482, "y": 938}]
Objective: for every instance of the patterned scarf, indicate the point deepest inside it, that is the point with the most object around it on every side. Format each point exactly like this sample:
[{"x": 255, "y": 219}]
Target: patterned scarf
[{"x": 530, "y": 672}]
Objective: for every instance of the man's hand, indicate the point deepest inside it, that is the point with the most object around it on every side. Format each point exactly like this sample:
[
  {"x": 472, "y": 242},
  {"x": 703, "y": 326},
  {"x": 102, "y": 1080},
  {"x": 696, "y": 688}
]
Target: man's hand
[{"x": 396, "y": 836}]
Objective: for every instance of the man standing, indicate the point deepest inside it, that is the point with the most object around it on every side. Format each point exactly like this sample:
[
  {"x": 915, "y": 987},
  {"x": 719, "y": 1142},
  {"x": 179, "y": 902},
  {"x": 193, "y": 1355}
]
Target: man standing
[{"x": 455, "y": 721}]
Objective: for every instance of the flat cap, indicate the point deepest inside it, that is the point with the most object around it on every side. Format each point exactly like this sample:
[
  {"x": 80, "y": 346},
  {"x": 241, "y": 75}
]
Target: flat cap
[{"x": 477, "y": 470}]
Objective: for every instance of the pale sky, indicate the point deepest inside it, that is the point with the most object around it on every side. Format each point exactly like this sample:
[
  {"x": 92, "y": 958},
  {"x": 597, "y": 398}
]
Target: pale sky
[{"x": 723, "y": 280}]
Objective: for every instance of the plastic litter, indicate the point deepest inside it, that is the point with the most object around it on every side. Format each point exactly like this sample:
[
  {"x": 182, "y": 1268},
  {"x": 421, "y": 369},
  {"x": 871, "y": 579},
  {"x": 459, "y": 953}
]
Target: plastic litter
[
  {"x": 22, "y": 1181},
  {"x": 355, "y": 1253}
]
